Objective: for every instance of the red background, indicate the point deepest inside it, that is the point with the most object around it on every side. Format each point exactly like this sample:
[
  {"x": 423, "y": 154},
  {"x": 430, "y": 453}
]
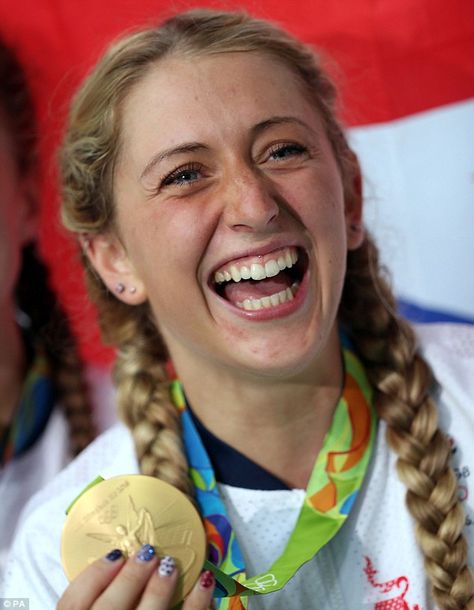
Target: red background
[{"x": 391, "y": 58}]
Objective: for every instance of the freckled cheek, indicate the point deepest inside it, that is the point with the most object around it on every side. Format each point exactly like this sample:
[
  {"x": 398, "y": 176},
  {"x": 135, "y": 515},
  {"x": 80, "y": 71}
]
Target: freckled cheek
[
  {"x": 193, "y": 233},
  {"x": 169, "y": 249},
  {"x": 319, "y": 202}
]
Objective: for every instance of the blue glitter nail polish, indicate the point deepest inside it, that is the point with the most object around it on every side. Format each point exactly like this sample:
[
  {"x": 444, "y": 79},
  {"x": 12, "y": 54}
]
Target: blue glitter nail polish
[
  {"x": 146, "y": 553},
  {"x": 114, "y": 555}
]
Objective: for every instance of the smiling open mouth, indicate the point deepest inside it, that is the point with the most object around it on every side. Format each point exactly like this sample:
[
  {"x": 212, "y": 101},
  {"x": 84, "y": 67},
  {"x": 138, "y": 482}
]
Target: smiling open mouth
[{"x": 262, "y": 282}]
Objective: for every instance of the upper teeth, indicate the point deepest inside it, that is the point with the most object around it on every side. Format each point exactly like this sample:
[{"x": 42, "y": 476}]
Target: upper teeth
[{"x": 257, "y": 271}]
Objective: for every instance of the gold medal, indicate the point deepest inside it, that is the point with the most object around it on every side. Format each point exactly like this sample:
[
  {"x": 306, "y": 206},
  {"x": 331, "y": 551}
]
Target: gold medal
[{"x": 128, "y": 511}]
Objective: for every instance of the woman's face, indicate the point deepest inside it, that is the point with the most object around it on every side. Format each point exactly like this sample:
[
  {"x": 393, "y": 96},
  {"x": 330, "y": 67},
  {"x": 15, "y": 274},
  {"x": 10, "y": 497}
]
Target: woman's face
[{"x": 226, "y": 174}]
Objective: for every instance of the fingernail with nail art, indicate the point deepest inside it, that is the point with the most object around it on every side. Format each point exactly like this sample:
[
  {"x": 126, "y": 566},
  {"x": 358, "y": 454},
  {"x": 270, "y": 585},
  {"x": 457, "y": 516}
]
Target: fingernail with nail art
[
  {"x": 206, "y": 580},
  {"x": 114, "y": 555},
  {"x": 146, "y": 553},
  {"x": 167, "y": 566}
]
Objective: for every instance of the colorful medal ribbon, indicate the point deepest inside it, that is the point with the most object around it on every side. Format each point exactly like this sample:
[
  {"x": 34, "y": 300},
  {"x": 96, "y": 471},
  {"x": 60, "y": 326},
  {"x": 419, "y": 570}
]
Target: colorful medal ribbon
[
  {"x": 32, "y": 413},
  {"x": 336, "y": 479}
]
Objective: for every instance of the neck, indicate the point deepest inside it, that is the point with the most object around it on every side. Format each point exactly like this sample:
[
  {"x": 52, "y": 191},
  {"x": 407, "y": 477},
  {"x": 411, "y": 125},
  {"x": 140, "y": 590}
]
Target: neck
[
  {"x": 279, "y": 423},
  {"x": 12, "y": 365}
]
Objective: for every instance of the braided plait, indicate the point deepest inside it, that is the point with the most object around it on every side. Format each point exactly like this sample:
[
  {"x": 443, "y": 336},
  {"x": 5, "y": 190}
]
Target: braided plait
[
  {"x": 143, "y": 387},
  {"x": 144, "y": 403},
  {"x": 403, "y": 386},
  {"x": 51, "y": 332}
]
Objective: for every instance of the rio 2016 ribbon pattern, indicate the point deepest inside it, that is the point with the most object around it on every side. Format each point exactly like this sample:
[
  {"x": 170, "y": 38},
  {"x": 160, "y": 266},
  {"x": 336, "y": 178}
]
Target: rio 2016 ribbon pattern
[{"x": 335, "y": 481}]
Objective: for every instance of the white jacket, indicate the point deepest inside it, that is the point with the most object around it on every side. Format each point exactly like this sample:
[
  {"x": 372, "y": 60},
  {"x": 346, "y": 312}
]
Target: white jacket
[
  {"x": 23, "y": 476},
  {"x": 372, "y": 563}
]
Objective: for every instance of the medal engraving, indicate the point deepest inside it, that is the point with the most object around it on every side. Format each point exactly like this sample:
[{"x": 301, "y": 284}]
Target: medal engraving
[
  {"x": 140, "y": 529},
  {"x": 99, "y": 508},
  {"x": 127, "y": 512}
]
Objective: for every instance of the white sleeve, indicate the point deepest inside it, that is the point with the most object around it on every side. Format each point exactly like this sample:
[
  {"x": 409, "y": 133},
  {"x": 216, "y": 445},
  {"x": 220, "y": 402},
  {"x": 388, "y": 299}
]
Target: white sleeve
[{"x": 34, "y": 570}]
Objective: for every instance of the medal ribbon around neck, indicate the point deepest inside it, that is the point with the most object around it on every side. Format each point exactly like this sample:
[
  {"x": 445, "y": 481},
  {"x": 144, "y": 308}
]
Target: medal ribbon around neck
[{"x": 336, "y": 479}]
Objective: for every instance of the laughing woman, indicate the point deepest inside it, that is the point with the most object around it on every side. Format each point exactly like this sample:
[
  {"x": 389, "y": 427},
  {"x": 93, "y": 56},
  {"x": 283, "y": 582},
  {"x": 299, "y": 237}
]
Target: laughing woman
[{"x": 219, "y": 209}]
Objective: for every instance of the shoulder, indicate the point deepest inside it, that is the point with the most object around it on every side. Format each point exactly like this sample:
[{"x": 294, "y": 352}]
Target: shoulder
[
  {"x": 34, "y": 567},
  {"x": 110, "y": 454},
  {"x": 449, "y": 350},
  {"x": 448, "y": 347}
]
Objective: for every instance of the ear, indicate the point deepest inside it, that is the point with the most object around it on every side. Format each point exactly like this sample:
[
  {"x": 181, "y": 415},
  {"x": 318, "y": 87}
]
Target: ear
[
  {"x": 354, "y": 206},
  {"x": 109, "y": 258}
]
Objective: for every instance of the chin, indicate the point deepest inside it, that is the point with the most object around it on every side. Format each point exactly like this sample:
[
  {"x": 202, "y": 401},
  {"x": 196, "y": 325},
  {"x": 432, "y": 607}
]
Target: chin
[{"x": 281, "y": 361}]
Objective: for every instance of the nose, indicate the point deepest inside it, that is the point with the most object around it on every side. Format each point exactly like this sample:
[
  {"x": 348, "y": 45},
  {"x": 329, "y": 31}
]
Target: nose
[{"x": 251, "y": 203}]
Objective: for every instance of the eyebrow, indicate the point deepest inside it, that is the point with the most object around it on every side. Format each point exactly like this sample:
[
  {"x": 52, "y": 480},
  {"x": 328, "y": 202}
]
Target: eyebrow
[
  {"x": 196, "y": 146},
  {"x": 279, "y": 120},
  {"x": 170, "y": 152}
]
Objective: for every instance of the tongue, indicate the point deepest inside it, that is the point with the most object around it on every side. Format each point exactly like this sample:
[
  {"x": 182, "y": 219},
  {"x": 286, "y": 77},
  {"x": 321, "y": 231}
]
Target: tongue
[{"x": 237, "y": 292}]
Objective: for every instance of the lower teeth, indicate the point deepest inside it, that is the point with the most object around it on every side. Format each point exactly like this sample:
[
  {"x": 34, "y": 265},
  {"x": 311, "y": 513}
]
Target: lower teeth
[{"x": 270, "y": 301}]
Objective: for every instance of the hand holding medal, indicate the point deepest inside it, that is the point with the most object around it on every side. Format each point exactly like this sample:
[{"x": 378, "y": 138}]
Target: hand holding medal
[{"x": 143, "y": 520}]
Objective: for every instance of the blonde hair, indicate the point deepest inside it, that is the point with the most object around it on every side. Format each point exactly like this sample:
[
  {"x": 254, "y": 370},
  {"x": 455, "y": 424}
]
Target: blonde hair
[{"x": 401, "y": 378}]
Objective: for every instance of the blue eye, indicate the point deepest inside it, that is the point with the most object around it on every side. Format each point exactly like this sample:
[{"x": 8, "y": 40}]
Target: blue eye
[
  {"x": 182, "y": 176},
  {"x": 284, "y": 151}
]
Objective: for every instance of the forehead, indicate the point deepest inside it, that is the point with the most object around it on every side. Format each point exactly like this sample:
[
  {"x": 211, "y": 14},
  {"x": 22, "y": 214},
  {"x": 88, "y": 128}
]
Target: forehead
[{"x": 185, "y": 96}]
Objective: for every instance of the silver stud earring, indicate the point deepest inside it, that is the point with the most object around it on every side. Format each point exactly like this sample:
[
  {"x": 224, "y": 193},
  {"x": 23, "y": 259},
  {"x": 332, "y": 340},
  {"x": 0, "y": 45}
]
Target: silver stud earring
[
  {"x": 132, "y": 289},
  {"x": 119, "y": 288}
]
